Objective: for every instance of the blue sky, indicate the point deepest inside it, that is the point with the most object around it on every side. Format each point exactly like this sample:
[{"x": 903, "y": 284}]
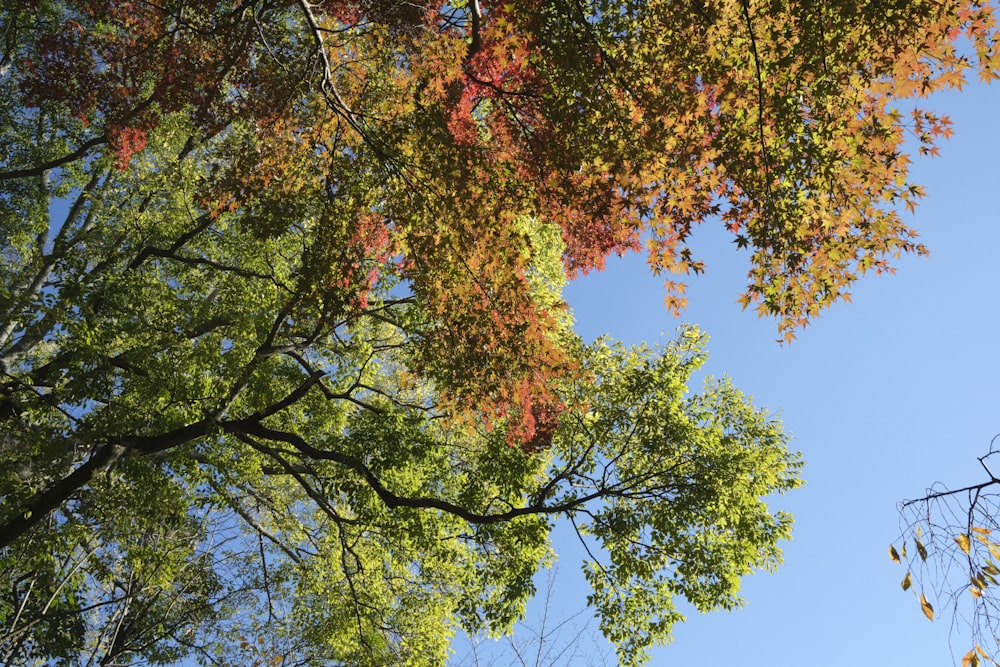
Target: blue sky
[{"x": 884, "y": 397}]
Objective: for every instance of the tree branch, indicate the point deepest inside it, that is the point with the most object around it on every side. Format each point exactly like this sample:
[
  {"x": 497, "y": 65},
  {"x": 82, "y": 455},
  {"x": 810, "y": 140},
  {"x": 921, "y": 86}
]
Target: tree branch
[
  {"x": 760, "y": 102},
  {"x": 40, "y": 169},
  {"x": 252, "y": 427},
  {"x": 46, "y": 501},
  {"x": 476, "y": 44}
]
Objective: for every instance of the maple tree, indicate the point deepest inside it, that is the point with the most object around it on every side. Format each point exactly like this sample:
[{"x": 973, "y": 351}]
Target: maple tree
[{"x": 283, "y": 277}]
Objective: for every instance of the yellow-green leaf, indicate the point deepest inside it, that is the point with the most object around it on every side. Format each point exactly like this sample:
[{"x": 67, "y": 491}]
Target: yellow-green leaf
[
  {"x": 926, "y": 607},
  {"x": 921, "y": 550},
  {"x": 907, "y": 581},
  {"x": 963, "y": 543},
  {"x": 893, "y": 554}
]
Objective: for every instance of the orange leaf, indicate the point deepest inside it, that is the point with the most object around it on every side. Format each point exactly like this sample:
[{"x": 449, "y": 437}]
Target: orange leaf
[{"x": 926, "y": 607}]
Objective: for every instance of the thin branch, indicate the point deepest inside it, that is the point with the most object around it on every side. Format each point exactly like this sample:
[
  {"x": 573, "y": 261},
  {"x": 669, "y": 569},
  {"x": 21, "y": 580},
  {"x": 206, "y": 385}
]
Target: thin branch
[
  {"x": 45, "y": 270},
  {"x": 760, "y": 101},
  {"x": 292, "y": 470},
  {"x": 949, "y": 492},
  {"x": 260, "y": 530},
  {"x": 202, "y": 223},
  {"x": 40, "y": 169},
  {"x": 329, "y": 90},
  {"x": 202, "y": 261},
  {"x": 45, "y": 501}
]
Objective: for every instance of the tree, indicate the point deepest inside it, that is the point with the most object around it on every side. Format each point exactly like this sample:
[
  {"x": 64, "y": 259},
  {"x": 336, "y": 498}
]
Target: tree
[
  {"x": 282, "y": 278},
  {"x": 956, "y": 556}
]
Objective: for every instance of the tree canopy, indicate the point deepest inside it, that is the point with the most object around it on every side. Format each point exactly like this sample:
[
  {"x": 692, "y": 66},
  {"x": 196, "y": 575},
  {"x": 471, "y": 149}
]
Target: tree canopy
[{"x": 286, "y": 376}]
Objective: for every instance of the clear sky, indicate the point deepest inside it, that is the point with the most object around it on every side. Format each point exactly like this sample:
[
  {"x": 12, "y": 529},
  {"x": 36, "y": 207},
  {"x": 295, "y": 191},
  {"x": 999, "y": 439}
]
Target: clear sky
[{"x": 884, "y": 397}]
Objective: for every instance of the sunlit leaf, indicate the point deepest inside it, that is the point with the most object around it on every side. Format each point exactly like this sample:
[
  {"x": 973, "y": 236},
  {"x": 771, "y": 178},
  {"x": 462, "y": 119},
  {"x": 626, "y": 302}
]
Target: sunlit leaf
[
  {"x": 926, "y": 607},
  {"x": 907, "y": 582},
  {"x": 893, "y": 554}
]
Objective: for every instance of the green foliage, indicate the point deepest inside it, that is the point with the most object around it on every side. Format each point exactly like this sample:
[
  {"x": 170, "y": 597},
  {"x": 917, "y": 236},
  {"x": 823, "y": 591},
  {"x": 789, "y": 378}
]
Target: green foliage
[{"x": 698, "y": 521}]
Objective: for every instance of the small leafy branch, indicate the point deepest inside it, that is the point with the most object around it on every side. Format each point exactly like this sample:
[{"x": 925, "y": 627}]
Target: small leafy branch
[{"x": 955, "y": 556}]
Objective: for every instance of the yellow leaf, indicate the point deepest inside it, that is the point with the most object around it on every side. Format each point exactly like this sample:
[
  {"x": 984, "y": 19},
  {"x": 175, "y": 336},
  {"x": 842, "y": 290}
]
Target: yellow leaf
[
  {"x": 903, "y": 550},
  {"x": 907, "y": 581},
  {"x": 983, "y": 531},
  {"x": 976, "y": 593},
  {"x": 991, "y": 568},
  {"x": 893, "y": 554},
  {"x": 970, "y": 659},
  {"x": 921, "y": 550},
  {"x": 994, "y": 550},
  {"x": 926, "y": 607},
  {"x": 963, "y": 543}
]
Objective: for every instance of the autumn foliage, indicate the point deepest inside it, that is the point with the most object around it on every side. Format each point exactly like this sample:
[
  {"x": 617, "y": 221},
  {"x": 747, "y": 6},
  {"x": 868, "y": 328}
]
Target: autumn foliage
[
  {"x": 420, "y": 133},
  {"x": 286, "y": 374}
]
